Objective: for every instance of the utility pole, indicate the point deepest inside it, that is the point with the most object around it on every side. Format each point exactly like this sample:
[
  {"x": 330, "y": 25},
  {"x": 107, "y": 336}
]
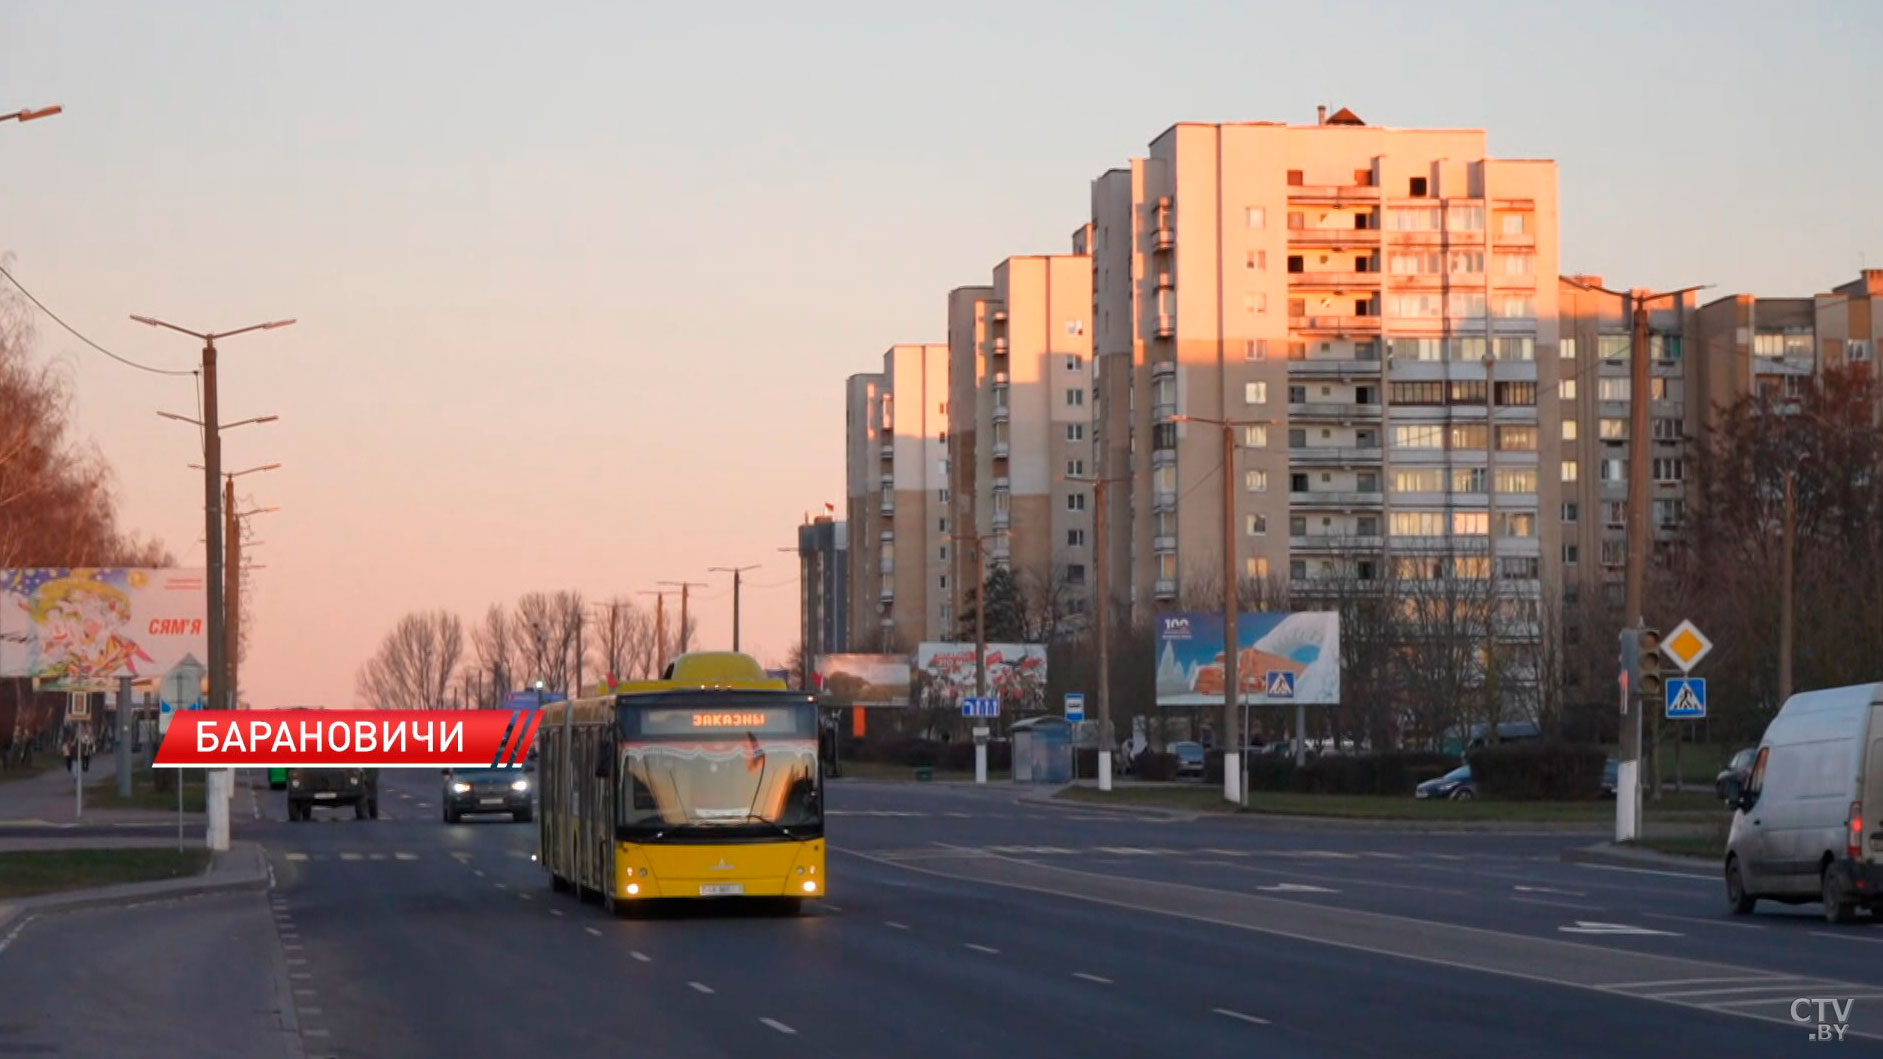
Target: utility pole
[
  {"x": 1101, "y": 572},
  {"x": 737, "y": 572},
  {"x": 1495, "y": 706},
  {"x": 232, "y": 589},
  {"x": 686, "y": 635},
  {"x": 660, "y": 632},
  {"x": 980, "y": 639},
  {"x": 1232, "y": 677},
  {"x": 1628, "y": 772},
  {"x": 1784, "y": 596}
]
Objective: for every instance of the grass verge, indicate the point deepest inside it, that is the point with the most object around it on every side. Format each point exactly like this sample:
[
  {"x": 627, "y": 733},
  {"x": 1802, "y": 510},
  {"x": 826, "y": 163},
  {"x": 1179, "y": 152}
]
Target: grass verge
[
  {"x": 26, "y": 873},
  {"x": 1198, "y": 798},
  {"x": 103, "y": 794},
  {"x": 42, "y": 764}
]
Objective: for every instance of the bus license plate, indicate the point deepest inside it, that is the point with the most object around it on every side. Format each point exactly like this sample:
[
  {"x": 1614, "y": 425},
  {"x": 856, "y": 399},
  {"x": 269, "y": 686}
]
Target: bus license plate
[{"x": 722, "y": 890}]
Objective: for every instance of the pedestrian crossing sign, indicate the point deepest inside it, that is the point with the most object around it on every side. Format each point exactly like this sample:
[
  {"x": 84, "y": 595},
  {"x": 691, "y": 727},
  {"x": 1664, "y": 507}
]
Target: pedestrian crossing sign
[
  {"x": 1686, "y": 698},
  {"x": 1281, "y": 684}
]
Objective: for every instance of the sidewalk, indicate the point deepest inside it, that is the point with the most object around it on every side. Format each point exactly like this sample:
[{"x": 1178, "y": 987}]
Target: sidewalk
[
  {"x": 48, "y": 800},
  {"x": 242, "y": 867}
]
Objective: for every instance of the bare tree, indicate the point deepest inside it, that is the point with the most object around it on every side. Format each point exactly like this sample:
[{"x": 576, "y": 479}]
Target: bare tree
[
  {"x": 623, "y": 640},
  {"x": 415, "y": 664},
  {"x": 499, "y": 663},
  {"x": 1445, "y": 608},
  {"x": 1360, "y": 587}
]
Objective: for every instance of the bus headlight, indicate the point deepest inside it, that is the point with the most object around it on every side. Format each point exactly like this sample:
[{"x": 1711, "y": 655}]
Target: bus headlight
[
  {"x": 810, "y": 886},
  {"x": 633, "y": 888}
]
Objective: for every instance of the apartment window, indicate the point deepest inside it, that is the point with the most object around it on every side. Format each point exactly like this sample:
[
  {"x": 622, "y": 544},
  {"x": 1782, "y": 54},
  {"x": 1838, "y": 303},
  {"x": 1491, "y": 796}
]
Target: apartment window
[
  {"x": 1298, "y": 525},
  {"x": 1416, "y": 262},
  {"x": 1427, "y": 349},
  {"x": 1465, "y": 218},
  {"x": 1471, "y": 567},
  {"x": 1075, "y": 398},
  {"x": 1255, "y": 481},
  {"x": 1664, "y": 348},
  {"x": 1074, "y": 468},
  {"x": 1255, "y": 303},
  {"x": 1297, "y": 264},
  {"x": 1614, "y": 552},
  {"x": 1255, "y": 566},
  {"x": 1518, "y": 480},
  {"x": 1075, "y": 431},
  {"x": 1513, "y": 223},
  {"x": 1297, "y": 307},
  {"x": 1570, "y": 554},
  {"x": 1569, "y": 430},
  {"x": 1072, "y": 362},
  {"x": 1661, "y": 389},
  {"x": 1416, "y": 305},
  {"x": 1614, "y": 470},
  {"x": 1516, "y": 306},
  {"x": 1255, "y": 260},
  {"x": 1566, "y": 389},
  {"x": 1299, "y": 394},
  {"x": 1667, "y": 513},
  {"x": 1418, "y": 436},
  {"x": 944, "y": 580},
  {"x": 1469, "y": 350},
  {"x": 1298, "y": 482},
  {"x": 1255, "y": 349},
  {"x": 1856, "y": 349},
  {"x": 1294, "y": 178},
  {"x": 1254, "y": 216},
  {"x": 1414, "y": 218},
  {"x": 1615, "y": 513},
  {"x": 1518, "y": 347},
  {"x": 1415, "y": 187},
  {"x": 1075, "y": 501},
  {"x": 1255, "y": 525},
  {"x": 1516, "y": 439},
  {"x": 1612, "y": 347},
  {"x": 1467, "y": 480},
  {"x": 1614, "y": 429},
  {"x": 1297, "y": 220},
  {"x": 1075, "y": 538},
  {"x": 1667, "y": 430},
  {"x": 1416, "y": 480},
  {"x": 1566, "y": 348},
  {"x": 1516, "y": 395},
  {"x": 1255, "y": 393},
  {"x": 1516, "y": 264},
  {"x": 1517, "y": 523},
  {"x": 1471, "y": 436},
  {"x": 942, "y": 524},
  {"x": 1367, "y": 482},
  {"x": 1669, "y": 469},
  {"x": 1297, "y": 438},
  {"x": 1569, "y": 511},
  {"x": 1465, "y": 307},
  {"x": 1467, "y": 262},
  {"x": 1255, "y": 437},
  {"x": 1616, "y": 389},
  {"x": 1471, "y": 523},
  {"x": 1418, "y": 523},
  {"x": 1418, "y": 393}
]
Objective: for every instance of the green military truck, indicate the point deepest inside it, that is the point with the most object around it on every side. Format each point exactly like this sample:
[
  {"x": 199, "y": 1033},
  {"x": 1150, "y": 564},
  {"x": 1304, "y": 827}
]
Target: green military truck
[{"x": 310, "y": 789}]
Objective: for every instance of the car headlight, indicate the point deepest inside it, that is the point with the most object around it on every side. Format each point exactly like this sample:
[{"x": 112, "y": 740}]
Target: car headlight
[
  {"x": 460, "y": 787},
  {"x": 520, "y": 785}
]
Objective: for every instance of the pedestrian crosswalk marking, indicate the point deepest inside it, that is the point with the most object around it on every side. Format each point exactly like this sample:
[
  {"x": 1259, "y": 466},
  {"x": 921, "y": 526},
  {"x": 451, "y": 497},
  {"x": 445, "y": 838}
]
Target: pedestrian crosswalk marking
[
  {"x": 406, "y": 856},
  {"x": 297, "y": 856}
]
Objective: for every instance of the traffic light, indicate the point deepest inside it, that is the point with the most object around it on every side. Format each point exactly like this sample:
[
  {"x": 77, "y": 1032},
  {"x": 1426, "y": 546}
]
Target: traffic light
[{"x": 1649, "y": 660}]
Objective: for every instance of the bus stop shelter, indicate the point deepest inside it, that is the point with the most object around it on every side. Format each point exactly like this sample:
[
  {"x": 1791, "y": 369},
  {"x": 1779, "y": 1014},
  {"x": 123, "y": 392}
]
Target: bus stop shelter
[{"x": 1042, "y": 750}]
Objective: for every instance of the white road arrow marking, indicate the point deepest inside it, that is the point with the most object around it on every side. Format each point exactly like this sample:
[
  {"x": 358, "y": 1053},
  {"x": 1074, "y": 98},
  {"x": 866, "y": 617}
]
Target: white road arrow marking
[
  {"x": 1548, "y": 890},
  {"x": 1297, "y": 888},
  {"x": 1585, "y": 927}
]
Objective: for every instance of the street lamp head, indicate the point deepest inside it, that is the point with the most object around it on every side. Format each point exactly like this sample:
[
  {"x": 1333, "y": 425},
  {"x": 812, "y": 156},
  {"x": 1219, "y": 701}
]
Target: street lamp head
[
  {"x": 147, "y": 320},
  {"x": 272, "y": 324},
  {"x": 181, "y": 419},
  {"x": 33, "y": 113}
]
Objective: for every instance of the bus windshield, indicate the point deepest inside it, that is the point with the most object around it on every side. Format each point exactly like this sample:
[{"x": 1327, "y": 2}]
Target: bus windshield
[{"x": 692, "y": 774}]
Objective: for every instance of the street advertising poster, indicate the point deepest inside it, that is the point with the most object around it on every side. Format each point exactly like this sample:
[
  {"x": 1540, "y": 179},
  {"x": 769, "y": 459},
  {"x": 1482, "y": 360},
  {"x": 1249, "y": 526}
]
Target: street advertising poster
[
  {"x": 80, "y": 629},
  {"x": 1282, "y": 659}
]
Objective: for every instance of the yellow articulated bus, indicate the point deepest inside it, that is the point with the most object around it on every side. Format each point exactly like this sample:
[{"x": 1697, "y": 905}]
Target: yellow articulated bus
[{"x": 706, "y": 783}]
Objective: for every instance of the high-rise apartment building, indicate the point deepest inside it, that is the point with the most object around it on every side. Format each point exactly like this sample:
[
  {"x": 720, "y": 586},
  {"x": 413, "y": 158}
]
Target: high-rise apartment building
[
  {"x": 1375, "y": 310},
  {"x": 824, "y": 580},
  {"x": 896, "y": 442}
]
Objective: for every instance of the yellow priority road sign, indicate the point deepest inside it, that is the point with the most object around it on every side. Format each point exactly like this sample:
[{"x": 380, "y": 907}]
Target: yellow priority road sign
[{"x": 1685, "y": 646}]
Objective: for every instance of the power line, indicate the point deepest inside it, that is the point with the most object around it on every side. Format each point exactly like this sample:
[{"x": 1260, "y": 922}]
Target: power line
[{"x": 41, "y": 306}]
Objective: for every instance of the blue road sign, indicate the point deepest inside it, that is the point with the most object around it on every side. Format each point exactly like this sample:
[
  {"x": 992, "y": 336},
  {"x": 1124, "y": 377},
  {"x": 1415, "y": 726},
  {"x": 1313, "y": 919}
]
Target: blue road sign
[
  {"x": 1281, "y": 684},
  {"x": 977, "y": 706},
  {"x": 1686, "y": 698},
  {"x": 1075, "y": 706}
]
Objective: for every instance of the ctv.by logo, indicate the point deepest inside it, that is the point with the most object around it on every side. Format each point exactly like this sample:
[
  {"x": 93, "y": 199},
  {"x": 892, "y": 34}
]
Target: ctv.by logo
[{"x": 1823, "y": 1028}]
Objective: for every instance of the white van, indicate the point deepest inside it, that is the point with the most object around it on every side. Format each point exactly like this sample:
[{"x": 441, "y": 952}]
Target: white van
[{"x": 1798, "y": 823}]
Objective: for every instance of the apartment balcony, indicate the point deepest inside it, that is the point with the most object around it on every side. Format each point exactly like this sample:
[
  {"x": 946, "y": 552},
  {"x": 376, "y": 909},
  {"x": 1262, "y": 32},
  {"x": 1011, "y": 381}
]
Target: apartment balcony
[
  {"x": 888, "y": 482},
  {"x": 885, "y": 596},
  {"x": 1335, "y": 543},
  {"x": 1002, "y": 519},
  {"x": 999, "y": 316},
  {"x": 1000, "y": 345},
  {"x": 1001, "y": 413},
  {"x": 1334, "y": 367},
  {"x": 1333, "y": 237},
  {"x": 1163, "y": 457},
  {"x": 888, "y": 506},
  {"x": 1337, "y": 411},
  {"x": 1419, "y": 281},
  {"x": 886, "y": 566},
  {"x": 1506, "y": 280},
  {"x": 1162, "y": 411},
  {"x": 1166, "y": 279},
  {"x": 1335, "y": 325},
  {"x": 1427, "y": 238},
  {"x": 1000, "y": 553},
  {"x": 1332, "y": 194},
  {"x": 1001, "y": 449},
  {"x": 1163, "y": 501},
  {"x": 1164, "y": 238},
  {"x": 1332, "y": 456},
  {"x": 1164, "y": 588},
  {"x": 1163, "y": 544},
  {"x": 889, "y": 453},
  {"x": 1514, "y": 239},
  {"x": 1335, "y": 499},
  {"x": 1165, "y": 325},
  {"x": 1335, "y": 281},
  {"x": 1523, "y": 325}
]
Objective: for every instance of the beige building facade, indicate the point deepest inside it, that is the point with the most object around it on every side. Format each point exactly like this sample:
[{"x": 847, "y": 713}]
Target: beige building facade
[{"x": 897, "y": 499}]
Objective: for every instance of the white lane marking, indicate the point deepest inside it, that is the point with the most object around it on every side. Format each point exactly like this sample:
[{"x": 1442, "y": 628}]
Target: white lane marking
[
  {"x": 296, "y": 961},
  {"x": 555, "y": 911},
  {"x": 375, "y": 856},
  {"x": 593, "y": 931},
  {"x": 295, "y": 856},
  {"x": 641, "y": 956},
  {"x": 779, "y": 1026},
  {"x": 1846, "y": 937},
  {"x": 349, "y": 856},
  {"x": 1702, "y": 919},
  {"x": 983, "y": 948},
  {"x": 1556, "y": 904},
  {"x": 405, "y": 856},
  {"x": 1091, "y": 978},
  {"x": 1229, "y": 852},
  {"x": 893, "y": 925},
  {"x": 424, "y": 805},
  {"x": 1297, "y": 888},
  {"x": 959, "y": 816},
  {"x": 15, "y": 932},
  {"x": 1697, "y": 981},
  {"x": 1548, "y": 890},
  {"x": 500, "y": 886},
  {"x": 477, "y": 873},
  {"x": 833, "y": 908},
  {"x": 525, "y": 896},
  {"x": 701, "y": 987},
  {"x": 1647, "y": 871},
  {"x": 1240, "y": 1015},
  {"x": 1584, "y": 926}
]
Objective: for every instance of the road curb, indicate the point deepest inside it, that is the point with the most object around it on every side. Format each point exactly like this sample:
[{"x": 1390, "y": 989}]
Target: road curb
[
  {"x": 1352, "y": 823},
  {"x": 1612, "y": 855},
  {"x": 242, "y": 868}
]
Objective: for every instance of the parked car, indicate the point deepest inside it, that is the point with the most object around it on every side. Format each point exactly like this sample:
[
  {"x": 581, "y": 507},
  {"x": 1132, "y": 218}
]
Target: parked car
[
  {"x": 1799, "y": 832},
  {"x": 1456, "y": 785},
  {"x": 309, "y": 789},
  {"x": 1189, "y": 758},
  {"x": 1739, "y": 768}
]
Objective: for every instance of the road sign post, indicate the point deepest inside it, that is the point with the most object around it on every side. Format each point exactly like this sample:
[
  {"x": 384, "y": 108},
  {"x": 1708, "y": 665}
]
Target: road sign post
[
  {"x": 1075, "y": 707},
  {"x": 980, "y": 706}
]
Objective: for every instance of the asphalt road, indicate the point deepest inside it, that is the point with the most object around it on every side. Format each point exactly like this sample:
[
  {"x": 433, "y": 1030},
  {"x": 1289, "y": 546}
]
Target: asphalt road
[{"x": 964, "y": 923}]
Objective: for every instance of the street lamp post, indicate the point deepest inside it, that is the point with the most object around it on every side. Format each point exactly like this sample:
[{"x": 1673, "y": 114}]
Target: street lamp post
[
  {"x": 980, "y": 638},
  {"x": 221, "y": 780},
  {"x": 737, "y": 573},
  {"x": 1232, "y": 679},
  {"x": 1101, "y": 572}
]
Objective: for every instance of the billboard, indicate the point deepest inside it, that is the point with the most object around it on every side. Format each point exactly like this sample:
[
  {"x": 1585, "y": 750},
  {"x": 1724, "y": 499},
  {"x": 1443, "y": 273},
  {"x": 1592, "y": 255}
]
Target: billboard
[
  {"x": 864, "y": 680},
  {"x": 1306, "y": 645},
  {"x": 1016, "y": 674},
  {"x": 80, "y": 629}
]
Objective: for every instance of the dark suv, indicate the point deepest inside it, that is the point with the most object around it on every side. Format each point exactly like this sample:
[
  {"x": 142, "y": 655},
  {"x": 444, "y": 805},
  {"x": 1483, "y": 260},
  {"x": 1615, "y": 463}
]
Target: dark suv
[
  {"x": 501, "y": 790},
  {"x": 333, "y": 789}
]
